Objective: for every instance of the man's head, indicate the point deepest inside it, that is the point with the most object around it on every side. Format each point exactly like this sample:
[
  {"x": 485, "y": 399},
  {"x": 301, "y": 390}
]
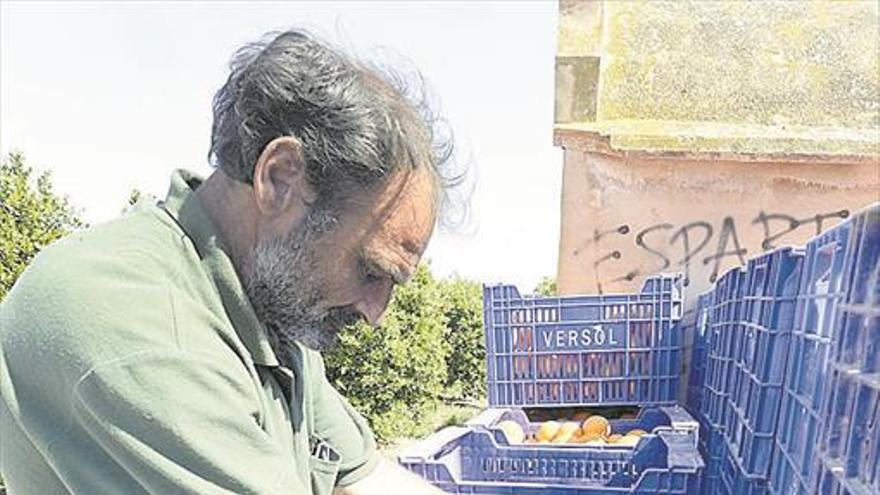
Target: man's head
[{"x": 341, "y": 178}]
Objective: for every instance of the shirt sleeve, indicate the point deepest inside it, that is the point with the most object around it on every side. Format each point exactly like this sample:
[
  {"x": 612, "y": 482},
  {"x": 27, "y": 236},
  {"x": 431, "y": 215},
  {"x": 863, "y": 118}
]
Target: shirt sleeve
[
  {"x": 178, "y": 422},
  {"x": 339, "y": 424}
]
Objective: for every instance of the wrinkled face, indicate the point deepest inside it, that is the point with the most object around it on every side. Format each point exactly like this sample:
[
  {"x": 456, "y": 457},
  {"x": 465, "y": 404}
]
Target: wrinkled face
[{"x": 339, "y": 267}]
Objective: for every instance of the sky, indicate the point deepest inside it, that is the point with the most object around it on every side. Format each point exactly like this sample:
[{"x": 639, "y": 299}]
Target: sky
[{"x": 112, "y": 97}]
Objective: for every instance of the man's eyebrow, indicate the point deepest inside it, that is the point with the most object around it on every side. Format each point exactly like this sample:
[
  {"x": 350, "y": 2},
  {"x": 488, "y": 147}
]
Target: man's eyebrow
[{"x": 379, "y": 266}]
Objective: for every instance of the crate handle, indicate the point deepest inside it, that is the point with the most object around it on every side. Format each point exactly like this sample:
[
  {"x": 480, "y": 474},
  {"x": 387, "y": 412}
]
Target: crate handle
[
  {"x": 820, "y": 281},
  {"x": 681, "y": 453},
  {"x": 487, "y": 418},
  {"x": 435, "y": 446}
]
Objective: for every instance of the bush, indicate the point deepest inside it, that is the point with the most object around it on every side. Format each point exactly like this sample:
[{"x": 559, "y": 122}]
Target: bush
[
  {"x": 546, "y": 287},
  {"x": 466, "y": 361},
  {"x": 395, "y": 374},
  {"x": 31, "y": 216},
  {"x": 429, "y": 350}
]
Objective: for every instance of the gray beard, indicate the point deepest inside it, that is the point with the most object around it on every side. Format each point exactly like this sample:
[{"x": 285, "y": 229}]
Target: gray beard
[{"x": 284, "y": 291}]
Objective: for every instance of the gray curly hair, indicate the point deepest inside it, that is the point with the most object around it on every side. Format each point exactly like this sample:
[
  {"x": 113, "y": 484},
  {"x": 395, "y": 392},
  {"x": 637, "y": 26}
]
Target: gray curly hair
[{"x": 356, "y": 123}]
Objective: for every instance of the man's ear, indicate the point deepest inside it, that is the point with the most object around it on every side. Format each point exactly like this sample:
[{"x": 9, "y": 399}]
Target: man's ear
[{"x": 280, "y": 179}]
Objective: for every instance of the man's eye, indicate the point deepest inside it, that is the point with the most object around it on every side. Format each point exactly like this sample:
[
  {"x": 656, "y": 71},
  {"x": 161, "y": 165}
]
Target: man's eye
[{"x": 370, "y": 276}]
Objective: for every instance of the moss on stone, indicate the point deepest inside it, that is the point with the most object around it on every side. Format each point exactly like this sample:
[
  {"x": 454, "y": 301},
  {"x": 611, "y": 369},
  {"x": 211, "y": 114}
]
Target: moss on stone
[{"x": 756, "y": 77}]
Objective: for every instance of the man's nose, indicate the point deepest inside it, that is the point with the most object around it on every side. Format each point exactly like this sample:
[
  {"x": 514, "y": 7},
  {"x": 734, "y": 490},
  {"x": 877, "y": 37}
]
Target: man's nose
[{"x": 375, "y": 301}]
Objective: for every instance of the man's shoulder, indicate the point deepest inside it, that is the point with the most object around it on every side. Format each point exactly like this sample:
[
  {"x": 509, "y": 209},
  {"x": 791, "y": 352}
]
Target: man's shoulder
[
  {"x": 111, "y": 279},
  {"x": 117, "y": 289},
  {"x": 138, "y": 247}
]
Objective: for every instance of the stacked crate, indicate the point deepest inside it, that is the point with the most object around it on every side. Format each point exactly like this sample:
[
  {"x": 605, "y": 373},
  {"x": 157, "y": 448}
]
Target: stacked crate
[
  {"x": 790, "y": 395},
  {"x": 574, "y": 351},
  {"x": 699, "y": 328},
  {"x": 829, "y": 432},
  {"x": 760, "y": 345},
  {"x": 715, "y": 411},
  {"x": 850, "y": 454}
]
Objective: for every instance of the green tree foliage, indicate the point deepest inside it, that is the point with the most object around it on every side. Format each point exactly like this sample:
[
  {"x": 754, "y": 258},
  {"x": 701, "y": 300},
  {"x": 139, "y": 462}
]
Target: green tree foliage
[
  {"x": 546, "y": 287},
  {"x": 466, "y": 361},
  {"x": 394, "y": 374},
  {"x": 31, "y": 216}
]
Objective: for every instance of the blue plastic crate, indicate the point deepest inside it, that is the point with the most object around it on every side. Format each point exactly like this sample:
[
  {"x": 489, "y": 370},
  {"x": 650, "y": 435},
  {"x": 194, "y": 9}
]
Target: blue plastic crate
[
  {"x": 478, "y": 459},
  {"x": 749, "y": 318},
  {"x": 699, "y": 327},
  {"x": 851, "y": 456},
  {"x": 831, "y": 379},
  {"x": 760, "y": 351},
  {"x": 719, "y": 380},
  {"x": 794, "y": 461},
  {"x": 850, "y": 448},
  {"x": 622, "y": 349},
  {"x": 736, "y": 481},
  {"x": 714, "y": 451}
]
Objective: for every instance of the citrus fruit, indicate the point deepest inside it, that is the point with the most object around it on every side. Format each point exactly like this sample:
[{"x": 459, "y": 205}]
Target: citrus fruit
[
  {"x": 513, "y": 431},
  {"x": 566, "y": 432},
  {"x": 596, "y": 425},
  {"x": 581, "y": 438},
  {"x": 614, "y": 438},
  {"x": 627, "y": 441},
  {"x": 547, "y": 431}
]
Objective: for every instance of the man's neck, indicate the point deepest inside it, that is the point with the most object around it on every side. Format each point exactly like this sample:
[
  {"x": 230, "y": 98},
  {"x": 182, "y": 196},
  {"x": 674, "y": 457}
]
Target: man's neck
[{"x": 229, "y": 204}]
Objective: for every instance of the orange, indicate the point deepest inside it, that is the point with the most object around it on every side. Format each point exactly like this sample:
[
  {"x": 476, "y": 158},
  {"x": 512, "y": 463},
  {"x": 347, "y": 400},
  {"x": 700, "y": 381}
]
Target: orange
[
  {"x": 637, "y": 433},
  {"x": 596, "y": 425},
  {"x": 566, "y": 432},
  {"x": 547, "y": 431},
  {"x": 627, "y": 441},
  {"x": 614, "y": 438},
  {"x": 585, "y": 438}
]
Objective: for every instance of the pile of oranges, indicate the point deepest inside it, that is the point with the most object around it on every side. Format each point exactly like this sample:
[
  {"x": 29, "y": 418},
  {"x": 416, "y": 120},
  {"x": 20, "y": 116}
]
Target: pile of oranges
[{"x": 592, "y": 431}]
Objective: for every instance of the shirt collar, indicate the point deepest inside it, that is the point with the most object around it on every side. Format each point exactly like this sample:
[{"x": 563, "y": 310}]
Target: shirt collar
[{"x": 187, "y": 210}]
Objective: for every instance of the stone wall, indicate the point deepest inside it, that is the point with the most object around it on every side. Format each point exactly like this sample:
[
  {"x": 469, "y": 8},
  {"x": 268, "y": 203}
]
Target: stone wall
[
  {"x": 624, "y": 217},
  {"x": 698, "y": 134}
]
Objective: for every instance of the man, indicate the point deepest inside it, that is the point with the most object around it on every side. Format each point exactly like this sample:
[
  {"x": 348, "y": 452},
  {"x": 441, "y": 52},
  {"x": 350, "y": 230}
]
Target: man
[{"x": 174, "y": 350}]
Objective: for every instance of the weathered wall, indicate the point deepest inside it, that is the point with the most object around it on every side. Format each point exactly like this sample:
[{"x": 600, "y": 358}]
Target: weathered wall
[
  {"x": 700, "y": 133},
  {"x": 769, "y": 62},
  {"x": 625, "y": 218}
]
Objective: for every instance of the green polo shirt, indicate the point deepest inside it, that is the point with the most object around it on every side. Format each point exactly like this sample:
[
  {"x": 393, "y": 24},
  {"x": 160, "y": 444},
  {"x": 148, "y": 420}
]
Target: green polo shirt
[{"x": 132, "y": 362}]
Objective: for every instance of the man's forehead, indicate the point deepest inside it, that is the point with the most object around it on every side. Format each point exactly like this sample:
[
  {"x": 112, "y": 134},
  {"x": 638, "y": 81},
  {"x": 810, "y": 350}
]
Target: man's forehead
[
  {"x": 390, "y": 262},
  {"x": 405, "y": 211}
]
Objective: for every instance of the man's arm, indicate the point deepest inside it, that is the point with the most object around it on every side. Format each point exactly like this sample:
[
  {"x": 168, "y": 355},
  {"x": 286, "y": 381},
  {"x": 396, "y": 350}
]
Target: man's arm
[
  {"x": 364, "y": 471},
  {"x": 389, "y": 479}
]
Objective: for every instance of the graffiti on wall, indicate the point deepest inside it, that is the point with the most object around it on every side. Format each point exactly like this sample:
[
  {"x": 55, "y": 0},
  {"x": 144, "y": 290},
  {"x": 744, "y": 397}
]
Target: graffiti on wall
[{"x": 680, "y": 247}]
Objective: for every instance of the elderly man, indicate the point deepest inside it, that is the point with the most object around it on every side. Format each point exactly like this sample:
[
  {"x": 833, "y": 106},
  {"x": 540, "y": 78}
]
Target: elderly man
[{"x": 174, "y": 350}]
